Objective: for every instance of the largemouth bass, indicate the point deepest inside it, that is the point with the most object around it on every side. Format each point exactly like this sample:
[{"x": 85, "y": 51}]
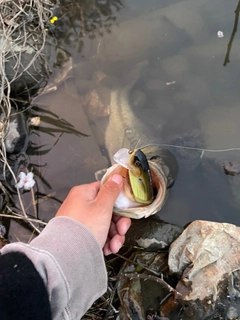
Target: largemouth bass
[
  {"x": 163, "y": 169},
  {"x": 124, "y": 128}
]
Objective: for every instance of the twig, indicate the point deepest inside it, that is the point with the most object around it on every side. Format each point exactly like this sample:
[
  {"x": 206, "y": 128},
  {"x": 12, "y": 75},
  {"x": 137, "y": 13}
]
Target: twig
[
  {"x": 235, "y": 26},
  {"x": 165, "y": 298},
  {"x": 112, "y": 295},
  {"x": 31, "y": 237},
  {"x": 109, "y": 303},
  {"x": 139, "y": 264},
  {"x": 34, "y": 203},
  {"x": 22, "y": 218},
  {"x": 47, "y": 196}
]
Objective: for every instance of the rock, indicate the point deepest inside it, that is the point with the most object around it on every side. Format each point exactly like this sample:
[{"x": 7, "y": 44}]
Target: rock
[
  {"x": 59, "y": 75},
  {"x": 137, "y": 296},
  {"x": 97, "y": 102},
  {"x": 204, "y": 256},
  {"x": 29, "y": 51},
  {"x": 231, "y": 168},
  {"x": 2, "y": 230},
  {"x": 29, "y": 78},
  {"x": 16, "y": 137},
  {"x": 233, "y": 311},
  {"x": 152, "y": 234}
]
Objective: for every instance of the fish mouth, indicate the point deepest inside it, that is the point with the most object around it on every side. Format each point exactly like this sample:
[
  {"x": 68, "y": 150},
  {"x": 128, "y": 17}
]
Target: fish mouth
[{"x": 134, "y": 209}]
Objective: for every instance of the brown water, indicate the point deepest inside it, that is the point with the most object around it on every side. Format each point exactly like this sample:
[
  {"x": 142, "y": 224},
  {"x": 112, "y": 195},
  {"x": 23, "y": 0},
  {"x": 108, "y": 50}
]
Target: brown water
[{"x": 186, "y": 92}]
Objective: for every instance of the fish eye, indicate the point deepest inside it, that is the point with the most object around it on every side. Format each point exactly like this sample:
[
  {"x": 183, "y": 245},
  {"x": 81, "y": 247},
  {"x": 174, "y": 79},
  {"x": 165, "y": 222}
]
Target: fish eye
[
  {"x": 137, "y": 163},
  {"x": 139, "y": 179}
]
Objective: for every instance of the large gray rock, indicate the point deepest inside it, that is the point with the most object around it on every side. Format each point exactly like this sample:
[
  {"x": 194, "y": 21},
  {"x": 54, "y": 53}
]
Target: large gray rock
[
  {"x": 205, "y": 257},
  {"x": 16, "y": 138},
  {"x": 152, "y": 234},
  {"x": 28, "y": 77}
]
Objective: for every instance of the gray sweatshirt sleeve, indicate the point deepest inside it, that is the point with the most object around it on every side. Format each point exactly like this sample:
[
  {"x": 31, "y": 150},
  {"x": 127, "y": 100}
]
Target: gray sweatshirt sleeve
[{"x": 70, "y": 261}]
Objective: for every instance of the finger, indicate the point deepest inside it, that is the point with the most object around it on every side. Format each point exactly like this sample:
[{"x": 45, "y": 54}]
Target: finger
[
  {"x": 107, "y": 252},
  {"x": 95, "y": 185},
  {"x": 88, "y": 192},
  {"x": 122, "y": 225},
  {"x": 109, "y": 193},
  {"x": 116, "y": 243},
  {"x": 106, "y": 249}
]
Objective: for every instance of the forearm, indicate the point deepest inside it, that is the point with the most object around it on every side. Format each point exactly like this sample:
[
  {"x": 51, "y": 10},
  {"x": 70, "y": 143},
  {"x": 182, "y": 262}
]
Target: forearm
[{"x": 71, "y": 264}]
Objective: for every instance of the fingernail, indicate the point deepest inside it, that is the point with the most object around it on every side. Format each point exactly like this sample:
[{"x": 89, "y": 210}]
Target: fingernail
[{"x": 117, "y": 178}]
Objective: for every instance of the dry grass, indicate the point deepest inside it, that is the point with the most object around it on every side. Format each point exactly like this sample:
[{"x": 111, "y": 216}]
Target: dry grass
[{"x": 23, "y": 28}]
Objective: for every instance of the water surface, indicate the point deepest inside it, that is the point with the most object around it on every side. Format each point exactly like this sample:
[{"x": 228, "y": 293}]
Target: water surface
[{"x": 187, "y": 96}]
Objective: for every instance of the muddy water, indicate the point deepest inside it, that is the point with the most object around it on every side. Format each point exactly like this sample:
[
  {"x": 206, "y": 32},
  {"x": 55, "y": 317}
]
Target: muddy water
[{"x": 186, "y": 96}]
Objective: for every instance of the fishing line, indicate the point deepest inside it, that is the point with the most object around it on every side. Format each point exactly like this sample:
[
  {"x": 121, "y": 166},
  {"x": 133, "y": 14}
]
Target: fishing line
[{"x": 201, "y": 149}]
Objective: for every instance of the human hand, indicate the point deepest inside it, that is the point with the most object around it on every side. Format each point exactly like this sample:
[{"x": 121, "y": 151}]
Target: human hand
[{"x": 93, "y": 207}]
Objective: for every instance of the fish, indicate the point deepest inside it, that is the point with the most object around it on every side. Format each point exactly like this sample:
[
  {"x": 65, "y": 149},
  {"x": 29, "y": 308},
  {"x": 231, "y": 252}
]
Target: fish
[
  {"x": 163, "y": 170},
  {"x": 155, "y": 166},
  {"x": 124, "y": 128}
]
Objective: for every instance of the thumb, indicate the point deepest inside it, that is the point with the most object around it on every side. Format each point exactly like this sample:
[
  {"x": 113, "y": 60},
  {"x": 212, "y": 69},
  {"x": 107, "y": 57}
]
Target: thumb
[{"x": 109, "y": 192}]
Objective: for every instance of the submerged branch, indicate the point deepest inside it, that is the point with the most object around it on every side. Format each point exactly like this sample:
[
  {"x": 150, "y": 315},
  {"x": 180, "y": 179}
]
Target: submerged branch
[{"x": 227, "y": 59}]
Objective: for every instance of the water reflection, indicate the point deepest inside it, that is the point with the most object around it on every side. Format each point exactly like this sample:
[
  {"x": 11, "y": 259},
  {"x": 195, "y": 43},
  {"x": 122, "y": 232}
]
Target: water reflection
[
  {"x": 55, "y": 125},
  {"x": 79, "y": 18},
  {"x": 26, "y": 148}
]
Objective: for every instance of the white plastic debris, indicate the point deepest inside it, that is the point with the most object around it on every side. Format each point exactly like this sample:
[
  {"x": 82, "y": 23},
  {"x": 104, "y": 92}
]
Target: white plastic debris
[{"x": 220, "y": 34}]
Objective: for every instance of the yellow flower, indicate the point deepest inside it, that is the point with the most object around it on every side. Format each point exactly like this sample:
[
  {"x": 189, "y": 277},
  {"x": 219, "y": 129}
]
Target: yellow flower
[{"x": 53, "y": 19}]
